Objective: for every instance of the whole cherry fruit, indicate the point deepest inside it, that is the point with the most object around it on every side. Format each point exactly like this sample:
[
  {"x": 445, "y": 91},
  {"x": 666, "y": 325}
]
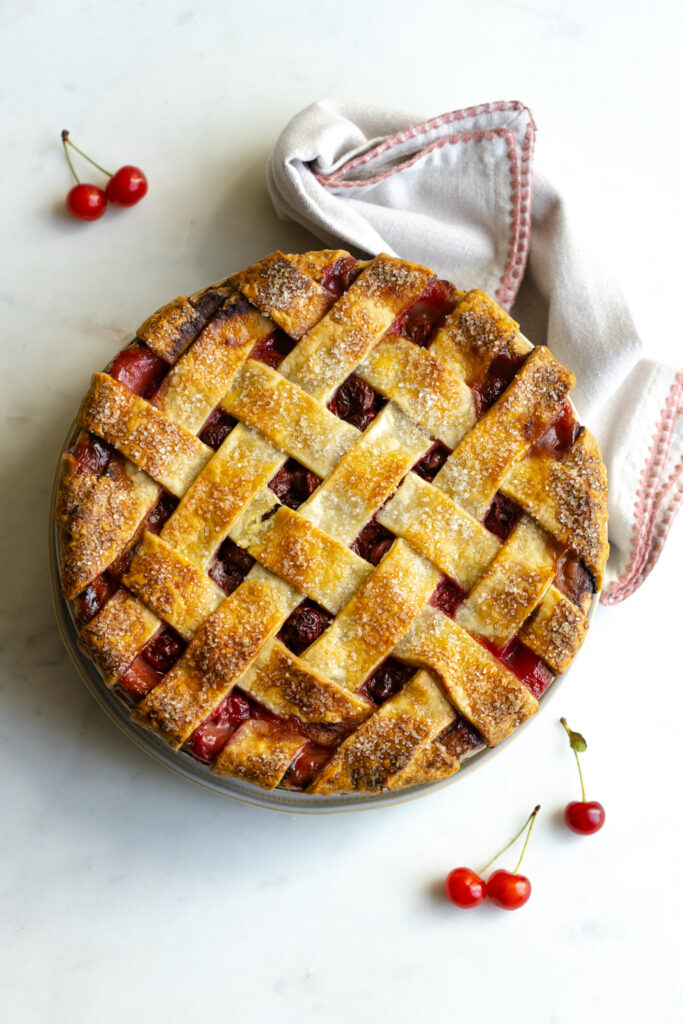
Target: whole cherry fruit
[
  {"x": 127, "y": 186},
  {"x": 508, "y": 890},
  {"x": 465, "y": 888},
  {"x": 584, "y": 816},
  {"x": 86, "y": 202}
]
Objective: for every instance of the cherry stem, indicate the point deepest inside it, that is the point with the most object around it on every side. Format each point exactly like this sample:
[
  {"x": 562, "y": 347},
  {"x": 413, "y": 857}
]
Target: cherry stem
[
  {"x": 531, "y": 825},
  {"x": 68, "y": 160},
  {"x": 529, "y": 822},
  {"x": 65, "y": 140},
  {"x": 578, "y": 763}
]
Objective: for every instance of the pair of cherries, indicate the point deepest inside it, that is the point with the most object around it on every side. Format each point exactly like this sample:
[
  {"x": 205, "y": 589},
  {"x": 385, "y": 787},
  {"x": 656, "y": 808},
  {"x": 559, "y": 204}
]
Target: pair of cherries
[
  {"x": 88, "y": 202},
  {"x": 508, "y": 889}
]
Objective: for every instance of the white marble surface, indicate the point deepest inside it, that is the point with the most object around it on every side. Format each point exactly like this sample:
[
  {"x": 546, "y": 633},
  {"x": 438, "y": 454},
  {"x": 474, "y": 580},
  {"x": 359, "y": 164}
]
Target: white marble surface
[{"x": 127, "y": 894}]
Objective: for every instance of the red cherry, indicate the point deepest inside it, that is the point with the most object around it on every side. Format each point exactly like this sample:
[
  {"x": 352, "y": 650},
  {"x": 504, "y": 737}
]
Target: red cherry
[
  {"x": 86, "y": 202},
  {"x": 508, "y": 890},
  {"x": 584, "y": 816},
  {"x": 465, "y": 888},
  {"x": 127, "y": 186}
]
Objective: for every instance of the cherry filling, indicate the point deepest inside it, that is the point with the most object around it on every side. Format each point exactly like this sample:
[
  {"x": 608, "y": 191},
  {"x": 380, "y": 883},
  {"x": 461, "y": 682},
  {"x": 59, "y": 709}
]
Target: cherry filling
[
  {"x": 573, "y": 579},
  {"x": 306, "y": 623},
  {"x": 387, "y": 679},
  {"x": 523, "y": 663},
  {"x": 340, "y": 275},
  {"x": 430, "y": 464},
  {"x": 426, "y": 314},
  {"x": 447, "y": 597},
  {"x": 209, "y": 738},
  {"x": 162, "y": 511},
  {"x": 560, "y": 435},
  {"x": 502, "y": 516},
  {"x": 356, "y": 402},
  {"x": 293, "y": 484},
  {"x": 373, "y": 542},
  {"x": 488, "y": 389},
  {"x": 217, "y": 428},
  {"x": 95, "y": 596},
  {"x": 139, "y": 369},
  {"x": 273, "y": 349},
  {"x": 306, "y": 765},
  {"x": 91, "y": 454},
  {"x": 230, "y": 566},
  {"x": 462, "y": 739},
  {"x": 152, "y": 663}
]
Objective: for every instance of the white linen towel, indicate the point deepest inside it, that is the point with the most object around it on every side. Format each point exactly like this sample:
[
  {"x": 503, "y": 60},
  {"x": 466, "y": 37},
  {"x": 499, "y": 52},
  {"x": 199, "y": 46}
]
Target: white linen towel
[{"x": 455, "y": 193}]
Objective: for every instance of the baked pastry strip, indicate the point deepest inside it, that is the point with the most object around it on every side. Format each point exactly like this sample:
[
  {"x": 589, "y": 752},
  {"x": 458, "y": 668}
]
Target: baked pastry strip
[
  {"x": 277, "y": 287},
  {"x": 329, "y": 352},
  {"x": 175, "y": 589},
  {"x": 198, "y": 381},
  {"x": 440, "y": 530},
  {"x": 422, "y": 385},
  {"x": 289, "y": 417},
  {"x": 170, "y": 454},
  {"x": 379, "y": 614},
  {"x": 171, "y": 329},
  {"x": 117, "y": 633},
  {"x": 259, "y": 752},
  {"x": 480, "y": 687},
  {"x": 291, "y": 547},
  {"x": 556, "y": 631},
  {"x": 512, "y": 585},
  {"x": 314, "y": 264},
  {"x": 347, "y": 500},
  {"x": 221, "y": 650},
  {"x": 479, "y": 465},
  {"x": 239, "y": 470},
  {"x": 391, "y": 741},
  {"x": 473, "y": 335},
  {"x": 565, "y": 504},
  {"x": 100, "y": 529},
  {"x": 291, "y": 688}
]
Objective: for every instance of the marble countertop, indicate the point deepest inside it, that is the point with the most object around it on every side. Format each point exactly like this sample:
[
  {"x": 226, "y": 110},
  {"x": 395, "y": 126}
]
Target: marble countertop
[{"x": 127, "y": 893}]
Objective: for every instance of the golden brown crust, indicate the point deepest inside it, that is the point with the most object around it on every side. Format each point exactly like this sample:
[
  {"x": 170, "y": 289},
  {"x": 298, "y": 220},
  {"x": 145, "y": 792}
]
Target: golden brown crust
[
  {"x": 171, "y": 586},
  {"x": 221, "y": 650},
  {"x": 277, "y": 288},
  {"x": 555, "y": 631},
  {"x": 480, "y": 687},
  {"x": 259, "y": 752},
  {"x": 390, "y": 742},
  {"x": 481, "y": 462},
  {"x": 461, "y": 696},
  {"x": 101, "y": 528},
  {"x": 170, "y": 454},
  {"x": 473, "y": 335},
  {"x": 117, "y": 633},
  {"x": 291, "y": 688},
  {"x": 334, "y": 347}
]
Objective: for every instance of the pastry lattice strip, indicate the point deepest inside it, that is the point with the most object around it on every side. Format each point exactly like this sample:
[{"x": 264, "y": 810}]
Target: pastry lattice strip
[{"x": 283, "y": 414}]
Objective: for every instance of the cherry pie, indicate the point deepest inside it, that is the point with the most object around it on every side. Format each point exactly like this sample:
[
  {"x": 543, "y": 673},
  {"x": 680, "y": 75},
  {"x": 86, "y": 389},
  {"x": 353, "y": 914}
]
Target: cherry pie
[{"x": 331, "y": 525}]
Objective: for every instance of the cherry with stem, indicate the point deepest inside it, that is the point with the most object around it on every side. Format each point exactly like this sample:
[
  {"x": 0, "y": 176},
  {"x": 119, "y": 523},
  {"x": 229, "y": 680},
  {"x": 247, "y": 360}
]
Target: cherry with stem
[
  {"x": 585, "y": 817},
  {"x": 466, "y": 888},
  {"x": 83, "y": 201},
  {"x": 125, "y": 187},
  {"x": 508, "y": 889}
]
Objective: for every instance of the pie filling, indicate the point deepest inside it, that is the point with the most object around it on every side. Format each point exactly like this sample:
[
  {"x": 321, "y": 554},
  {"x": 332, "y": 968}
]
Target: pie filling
[{"x": 354, "y": 401}]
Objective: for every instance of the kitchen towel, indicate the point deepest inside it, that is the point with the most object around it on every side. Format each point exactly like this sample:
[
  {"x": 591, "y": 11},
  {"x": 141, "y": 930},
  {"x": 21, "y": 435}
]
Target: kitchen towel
[{"x": 458, "y": 193}]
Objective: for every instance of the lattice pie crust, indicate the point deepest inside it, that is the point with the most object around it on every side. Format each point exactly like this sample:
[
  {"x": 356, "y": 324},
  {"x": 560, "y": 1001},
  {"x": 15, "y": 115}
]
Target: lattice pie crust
[{"x": 331, "y": 525}]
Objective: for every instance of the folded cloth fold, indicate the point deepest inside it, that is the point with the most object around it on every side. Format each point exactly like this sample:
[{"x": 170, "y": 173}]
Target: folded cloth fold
[{"x": 455, "y": 193}]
